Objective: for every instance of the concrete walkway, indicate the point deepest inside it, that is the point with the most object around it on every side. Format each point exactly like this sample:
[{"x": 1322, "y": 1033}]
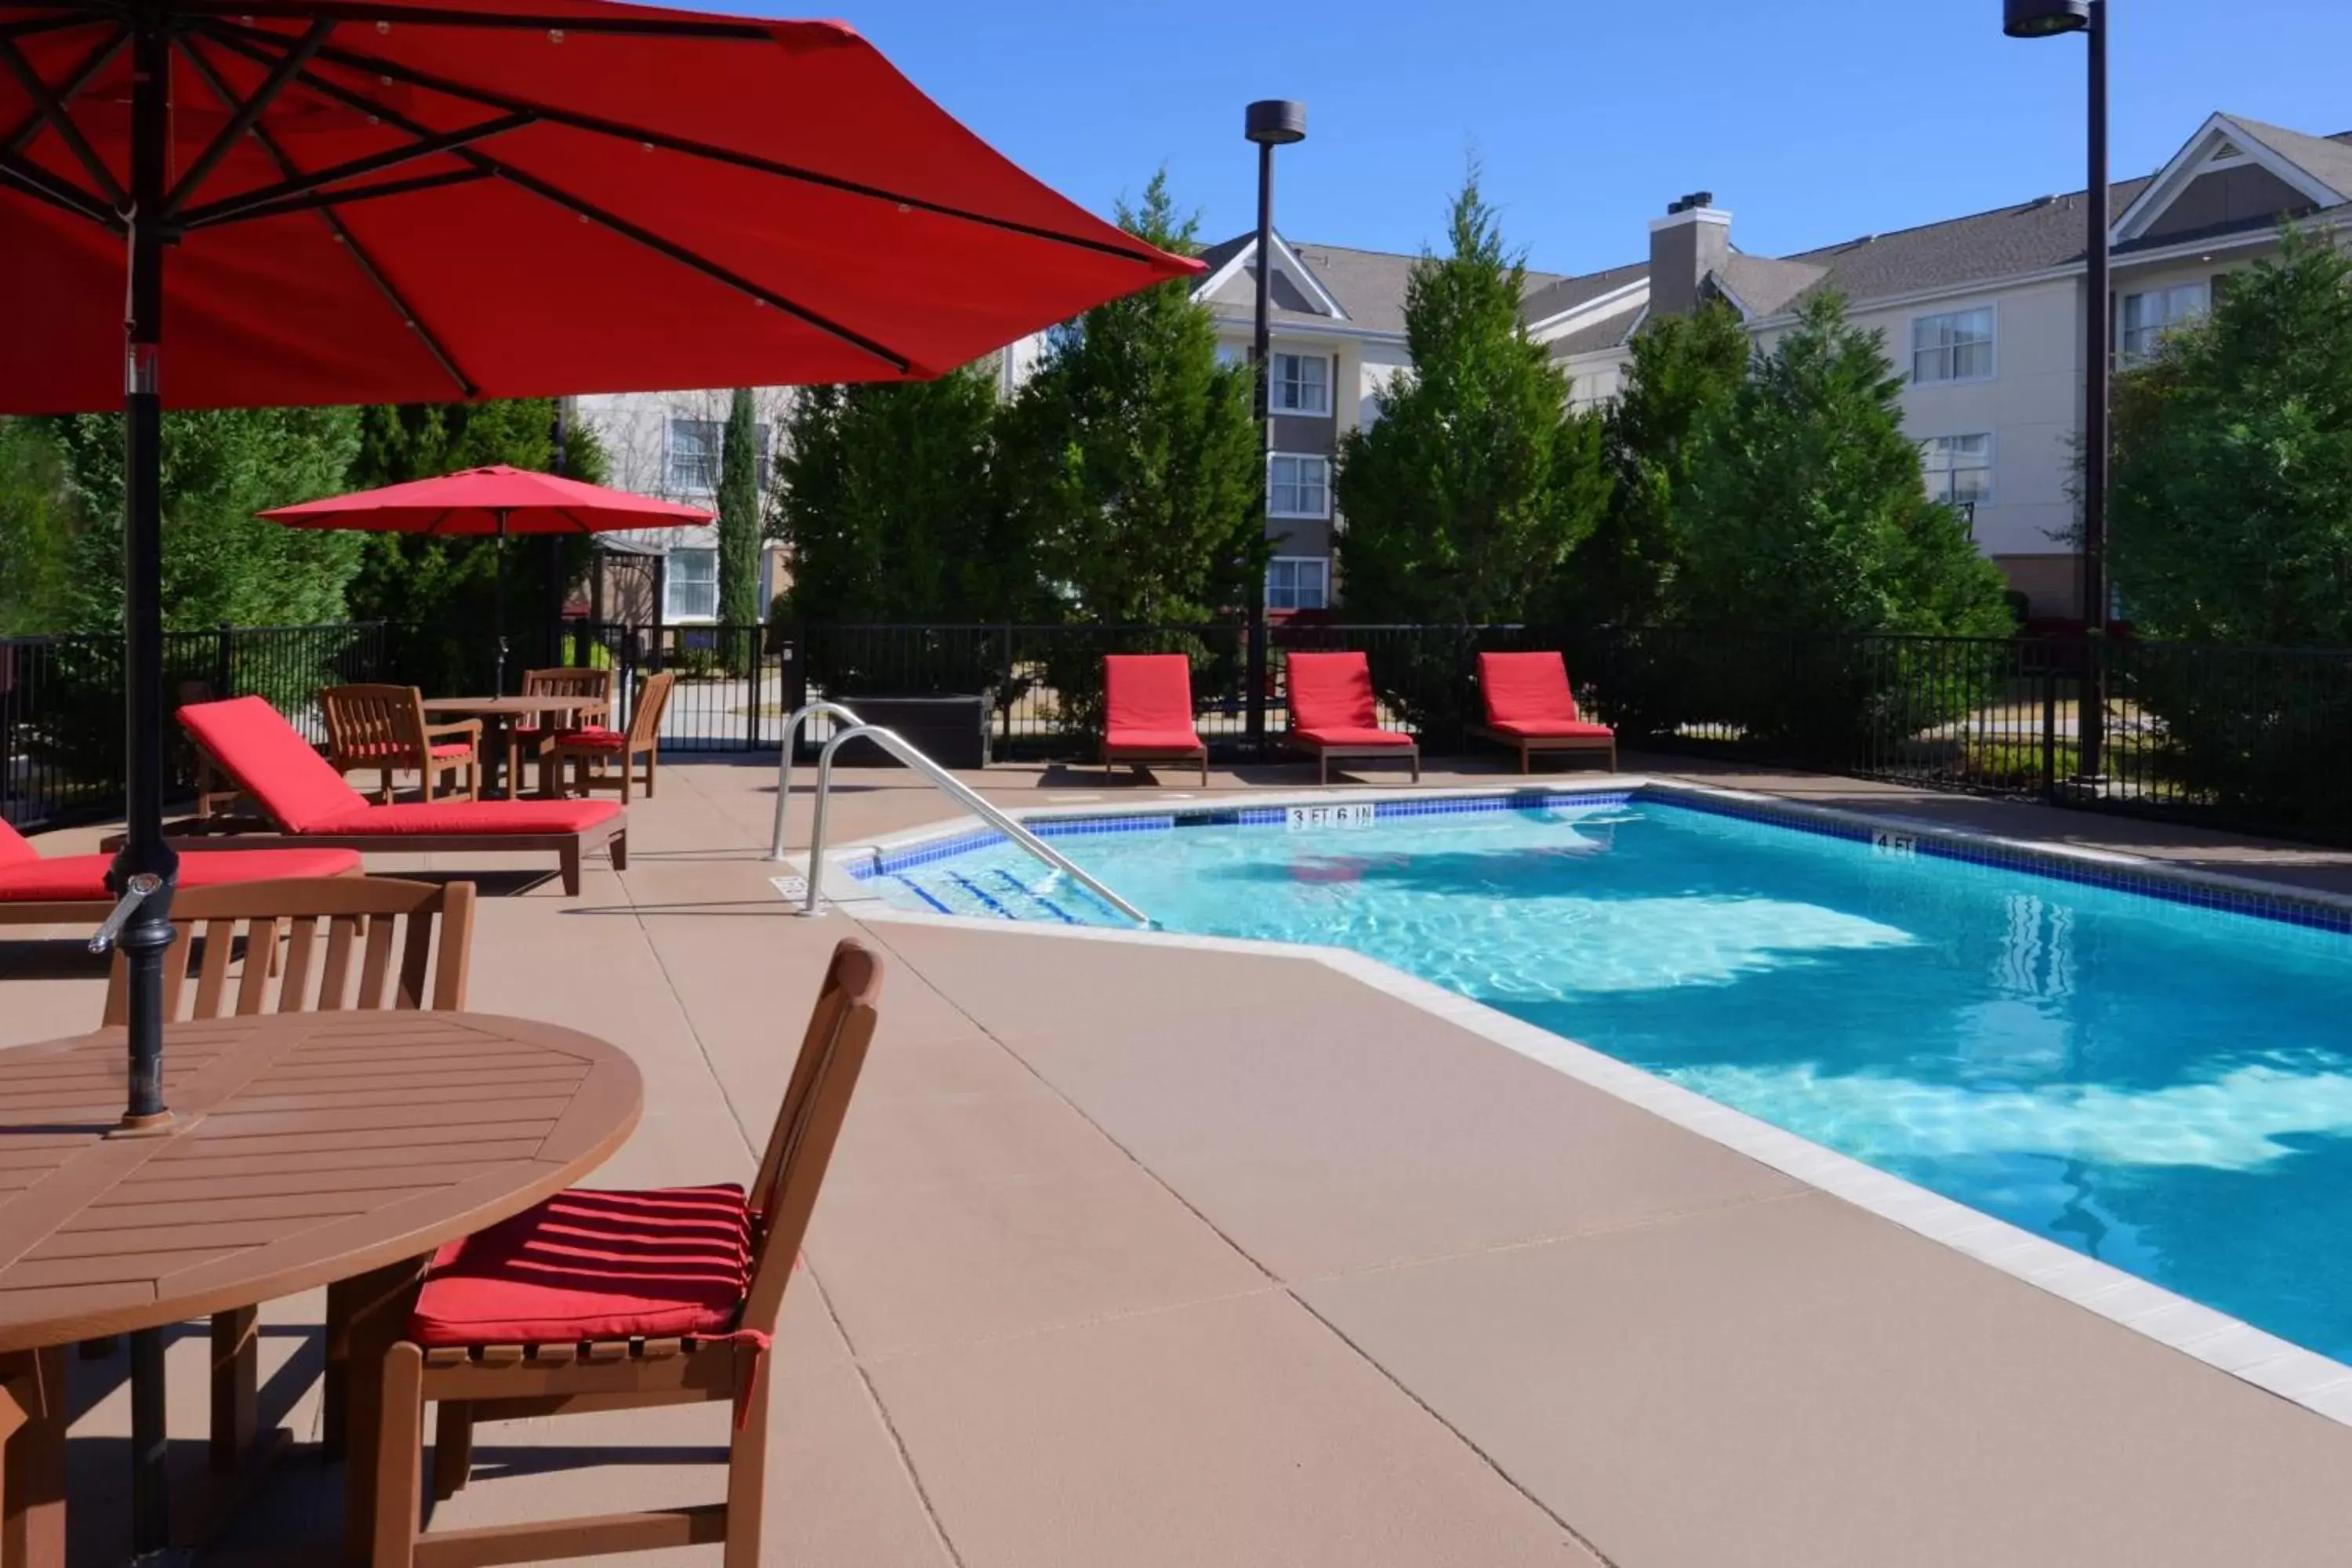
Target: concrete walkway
[{"x": 1138, "y": 1255}]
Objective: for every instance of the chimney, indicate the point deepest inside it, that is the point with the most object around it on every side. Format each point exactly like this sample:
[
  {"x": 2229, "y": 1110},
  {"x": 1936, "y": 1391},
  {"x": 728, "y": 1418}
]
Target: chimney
[{"x": 1692, "y": 240}]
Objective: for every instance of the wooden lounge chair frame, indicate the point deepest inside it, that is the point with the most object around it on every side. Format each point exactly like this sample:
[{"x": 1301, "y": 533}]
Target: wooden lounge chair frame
[
  {"x": 1528, "y": 745},
  {"x": 362, "y": 918},
  {"x": 643, "y": 737},
  {"x": 385, "y": 727},
  {"x": 1325, "y": 755},
  {"x": 519, "y": 1382},
  {"x": 212, "y": 833}
]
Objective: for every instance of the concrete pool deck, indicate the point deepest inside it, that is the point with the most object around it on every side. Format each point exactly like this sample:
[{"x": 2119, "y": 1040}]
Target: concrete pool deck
[{"x": 1145, "y": 1255}]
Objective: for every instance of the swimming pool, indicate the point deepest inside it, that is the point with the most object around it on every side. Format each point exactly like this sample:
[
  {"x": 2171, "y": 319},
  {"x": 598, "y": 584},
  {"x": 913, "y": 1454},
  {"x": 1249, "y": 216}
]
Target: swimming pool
[{"x": 2159, "y": 1084}]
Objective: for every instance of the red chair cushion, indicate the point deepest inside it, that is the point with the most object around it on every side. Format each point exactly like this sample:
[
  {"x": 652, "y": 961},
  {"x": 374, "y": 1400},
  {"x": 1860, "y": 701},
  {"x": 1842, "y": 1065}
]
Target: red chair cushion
[
  {"x": 589, "y": 1265},
  {"x": 476, "y": 816},
  {"x": 592, "y": 736},
  {"x": 1353, "y": 735},
  {"x": 1147, "y": 697},
  {"x": 15, "y": 847},
  {"x": 1155, "y": 740},
  {"x": 1556, "y": 730},
  {"x": 81, "y": 878},
  {"x": 272, "y": 763},
  {"x": 1525, "y": 688},
  {"x": 1331, "y": 691},
  {"x": 394, "y": 749}
]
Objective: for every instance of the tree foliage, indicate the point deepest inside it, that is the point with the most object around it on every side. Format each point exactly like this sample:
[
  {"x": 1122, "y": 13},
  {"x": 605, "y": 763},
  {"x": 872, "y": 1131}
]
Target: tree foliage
[
  {"x": 1476, "y": 480},
  {"x": 2229, "y": 500},
  {"x": 886, "y": 497},
  {"x": 739, "y": 514},
  {"x": 1132, "y": 453},
  {"x": 36, "y": 529},
  {"x": 221, "y": 563},
  {"x": 1805, "y": 510},
  {"x": 1684, "y": 373}
]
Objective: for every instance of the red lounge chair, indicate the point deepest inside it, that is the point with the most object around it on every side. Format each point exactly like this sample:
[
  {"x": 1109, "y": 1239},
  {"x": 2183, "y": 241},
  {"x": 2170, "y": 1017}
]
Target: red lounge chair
[
  {"x": 69, "y": 889},
  {"x": 1530, "y": 707},
  {"x": 1332, "y": 713},
  {"x": 1149, "y": 718},
  {"x": 305, "y": 798}
]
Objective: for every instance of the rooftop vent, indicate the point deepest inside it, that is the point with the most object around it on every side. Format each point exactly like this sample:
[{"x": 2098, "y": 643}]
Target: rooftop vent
[
  {"x": 2040, "y": 202},
  {"x": 1695, "y": 200}
]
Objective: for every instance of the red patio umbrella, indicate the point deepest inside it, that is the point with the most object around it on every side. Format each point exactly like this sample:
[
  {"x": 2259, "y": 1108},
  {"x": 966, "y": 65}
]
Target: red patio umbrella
[
  {"x": 490, "y": 503},
  {"x": 349, "y": 200}
]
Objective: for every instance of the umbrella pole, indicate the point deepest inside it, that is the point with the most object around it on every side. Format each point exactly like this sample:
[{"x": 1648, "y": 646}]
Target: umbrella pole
[
  {"x": 498, "y": 610},
  {"x": 146, "y": 863}
]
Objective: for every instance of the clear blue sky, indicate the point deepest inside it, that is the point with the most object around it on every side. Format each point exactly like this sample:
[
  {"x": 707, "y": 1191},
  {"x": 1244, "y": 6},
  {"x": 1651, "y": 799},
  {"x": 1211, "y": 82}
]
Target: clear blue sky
[{"x": 1810, "y": 126}]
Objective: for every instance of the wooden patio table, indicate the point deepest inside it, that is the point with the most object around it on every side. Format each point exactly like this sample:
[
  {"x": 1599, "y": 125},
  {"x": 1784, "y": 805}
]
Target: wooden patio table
[
  {"x": 335, "y": 1149},
  {"x": 502, "y": 714}
]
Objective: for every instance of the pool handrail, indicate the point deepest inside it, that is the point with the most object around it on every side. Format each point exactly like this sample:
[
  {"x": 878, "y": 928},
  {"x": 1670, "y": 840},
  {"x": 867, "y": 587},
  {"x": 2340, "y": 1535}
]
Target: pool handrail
[
  {"x": 800, "y": 716},
  {"x": 955, "y": 789}
]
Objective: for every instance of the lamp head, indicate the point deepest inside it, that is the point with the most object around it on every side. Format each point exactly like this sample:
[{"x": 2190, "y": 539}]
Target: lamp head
[
  {"x": 1275, "y": 123},
  {"x": 2043, "y": 18}
]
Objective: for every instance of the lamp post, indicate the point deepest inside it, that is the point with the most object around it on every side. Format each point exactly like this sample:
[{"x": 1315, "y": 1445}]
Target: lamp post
[
  {"x": 2044, "y": 19},
  {"x": 1270, "y": 122}
]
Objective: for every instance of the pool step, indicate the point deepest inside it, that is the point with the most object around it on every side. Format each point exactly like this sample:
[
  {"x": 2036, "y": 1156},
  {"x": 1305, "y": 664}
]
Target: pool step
[{"x": 993, "y": 893}]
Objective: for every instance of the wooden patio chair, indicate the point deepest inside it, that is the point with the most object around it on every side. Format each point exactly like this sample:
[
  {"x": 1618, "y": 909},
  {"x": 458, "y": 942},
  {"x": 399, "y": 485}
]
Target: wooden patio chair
[
  {"x": 388, "y": 927},
  {"x": 596, "y": 744},
  {"x": 561, "y": 1310},
  {"x": 593, "y": 686},
  {"x": 385, "y": 727}
]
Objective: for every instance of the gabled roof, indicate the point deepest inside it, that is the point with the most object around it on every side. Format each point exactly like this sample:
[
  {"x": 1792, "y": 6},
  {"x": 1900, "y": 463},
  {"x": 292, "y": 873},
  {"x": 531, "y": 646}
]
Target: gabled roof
[
  {"x": 2328, "y": 158},
  {"x": 1765, "y": 285},
  {"x": 1369, "y": 285}
]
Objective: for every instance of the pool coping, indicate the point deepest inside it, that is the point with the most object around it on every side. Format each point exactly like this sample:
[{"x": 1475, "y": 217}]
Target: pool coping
[{"x": 2304, "y": 1377}]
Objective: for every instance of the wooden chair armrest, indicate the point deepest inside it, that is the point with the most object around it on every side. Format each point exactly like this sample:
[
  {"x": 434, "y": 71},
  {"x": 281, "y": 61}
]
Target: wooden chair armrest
[{"x": 461, "y": 727}]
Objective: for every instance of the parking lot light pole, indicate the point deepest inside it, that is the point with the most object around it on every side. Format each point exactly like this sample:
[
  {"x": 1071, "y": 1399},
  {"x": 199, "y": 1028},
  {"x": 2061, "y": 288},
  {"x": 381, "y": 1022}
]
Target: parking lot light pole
[{"x": 1270, "y": 122}]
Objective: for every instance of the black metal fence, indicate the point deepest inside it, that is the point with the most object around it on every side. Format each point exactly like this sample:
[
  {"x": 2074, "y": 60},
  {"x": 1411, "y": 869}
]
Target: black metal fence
[
  {"x": 2252, "y": 738},
  {"x": 61, "y": 721}
]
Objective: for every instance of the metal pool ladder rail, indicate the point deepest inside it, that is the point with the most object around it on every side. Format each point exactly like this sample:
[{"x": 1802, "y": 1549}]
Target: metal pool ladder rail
[{"x": 939, "y": 778}]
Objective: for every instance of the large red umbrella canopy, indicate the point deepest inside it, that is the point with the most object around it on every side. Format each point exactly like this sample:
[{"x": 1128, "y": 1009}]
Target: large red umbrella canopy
[
  {"x": 493, "y": 501},
  {"x": 423, "y": 200}
]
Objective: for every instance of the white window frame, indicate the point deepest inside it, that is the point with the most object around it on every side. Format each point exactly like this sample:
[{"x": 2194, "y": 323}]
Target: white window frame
[
  {"x": 707, "y": 589},
  {"x": 1322, "y": 575},
  {"x": 1276, "y": 484},
  {"x": 2151, "y": 335},
  {"x": 713, "y": 460},
  {"x": 1944, "y": 447},
  {"x": 1949, "y": 348},
  {"x": 1290, "y": 381}
]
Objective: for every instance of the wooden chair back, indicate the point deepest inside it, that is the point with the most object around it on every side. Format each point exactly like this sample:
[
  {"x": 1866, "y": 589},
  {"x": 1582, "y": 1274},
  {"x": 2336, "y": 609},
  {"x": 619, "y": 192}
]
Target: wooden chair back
[
  {"x": 382, "y": 928},
  {"x": 373, "y": 722},
  {"x": 799, "y": 1146},
  {"x": 644, "y": 719},
  {"x": 590, "y": 684}
]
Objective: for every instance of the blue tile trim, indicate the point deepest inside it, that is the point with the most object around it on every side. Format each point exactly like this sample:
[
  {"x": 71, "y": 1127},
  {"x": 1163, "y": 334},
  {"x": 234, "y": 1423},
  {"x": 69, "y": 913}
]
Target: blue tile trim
[
  {"x": 1079, "y": 826},
  {"x": 934, "y": 849}
]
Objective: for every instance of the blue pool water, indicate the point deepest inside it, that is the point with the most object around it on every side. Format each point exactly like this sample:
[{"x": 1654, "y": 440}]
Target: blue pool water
[{"x": 2164, "y": 1086}]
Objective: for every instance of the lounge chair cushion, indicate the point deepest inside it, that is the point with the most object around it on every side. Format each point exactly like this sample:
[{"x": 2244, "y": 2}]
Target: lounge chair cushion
[
  {"x": 1352, "y": 735},
  {"x": 1528, "y": 693},
  {"x": 1554, "y": 730},
  {"x": 81, "y": 878},
  {"x": 13, "y": 846},
  {"x": 393, "y": 749},
  {"x": 273, "y": 764},
  {"x": 1147, "y": 697},
  {"x": 459, "y": 817},
  {"x": 588, "y": 1265},
  {"x": 1155, "y": 740},
  {"x": 1331, "y": 691}
]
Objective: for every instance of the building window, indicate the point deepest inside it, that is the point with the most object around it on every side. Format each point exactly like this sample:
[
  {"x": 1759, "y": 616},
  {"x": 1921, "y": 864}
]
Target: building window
[
  {"x": 1301, "y": 486},
  {"x": 1955, "y": 346},
  {"x": 696, "y": 447},
  {"x": 1302, "y": 383},
  {"x": 1960, "y": 469},
  {"x": 2148, "y": 317},
  {"x": 1299, "y": 582},
  {"x": 691, "y": 591}
]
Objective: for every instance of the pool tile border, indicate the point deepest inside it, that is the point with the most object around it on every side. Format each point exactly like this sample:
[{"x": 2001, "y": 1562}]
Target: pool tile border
[{"x": 2229, "y": 1345}]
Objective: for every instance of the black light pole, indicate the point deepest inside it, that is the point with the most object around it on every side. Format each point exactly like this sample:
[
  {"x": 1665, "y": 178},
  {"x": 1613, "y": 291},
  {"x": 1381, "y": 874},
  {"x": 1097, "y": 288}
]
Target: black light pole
[
  {"x": 1270, "y": 122},
  {"x": 2042, "y": 19}
]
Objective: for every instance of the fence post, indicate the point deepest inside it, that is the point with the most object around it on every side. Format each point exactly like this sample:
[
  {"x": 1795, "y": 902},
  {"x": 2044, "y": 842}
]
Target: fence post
[
  {"x": 222, "y": 665},
  {"x": 2049, "y": 723},
  {"x": 753, "y": 657}
]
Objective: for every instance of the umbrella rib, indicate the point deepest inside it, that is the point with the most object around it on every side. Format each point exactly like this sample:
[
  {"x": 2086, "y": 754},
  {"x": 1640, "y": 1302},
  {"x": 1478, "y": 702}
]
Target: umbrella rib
[
  {"x": 323, "y": 201},
  {"x": 271, "y": 198},
  {"x": 21, "y": 137},
  {"x": 467, "y": 387},
  {"x": 358, "y": 60},
  {"x": 433, "y": 16},
  {"x": 246, "y": 115},
  {"x": 59, "y": 191},
  {"x": 235, "y": 39},
  {"x": 52, "y": 111}
]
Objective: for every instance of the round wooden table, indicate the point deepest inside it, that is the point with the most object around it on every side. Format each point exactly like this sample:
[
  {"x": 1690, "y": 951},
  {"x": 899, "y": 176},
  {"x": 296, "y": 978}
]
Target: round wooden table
[
  {"x": 336, "y": 1149},
  {"x": 502, "y": 714}
]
